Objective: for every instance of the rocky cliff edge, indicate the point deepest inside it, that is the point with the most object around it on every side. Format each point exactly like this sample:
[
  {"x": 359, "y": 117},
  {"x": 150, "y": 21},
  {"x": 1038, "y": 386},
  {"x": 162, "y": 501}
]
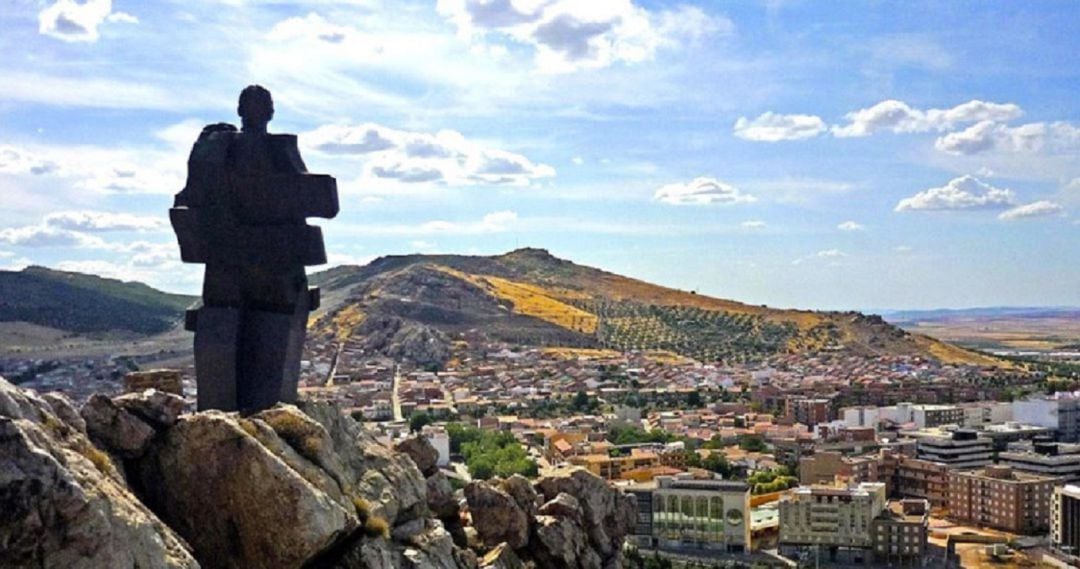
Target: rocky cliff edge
[{"x": 132, "y": 481}]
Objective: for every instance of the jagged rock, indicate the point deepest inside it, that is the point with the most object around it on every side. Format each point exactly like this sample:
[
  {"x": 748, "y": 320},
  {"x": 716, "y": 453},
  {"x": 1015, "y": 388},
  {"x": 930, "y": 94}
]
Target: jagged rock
[
  {"x": 65, "y": 410},
  {"x": 496, "y": 515},
  {"x": 434, "y": 549},
  {"x": 559, "y": 542},
  {"x": 440, "y": 496},
  {"x": 563, "y": 506},
  {"x": 118, "y": 430},
  {"x": 501, "y": 557},
  {"x": 236, "y": 502},
  {"x": 523, "y": 493},
  {"x": 409, "y": 529},
  {"x": 61, "y": 502},
  {"x": 608, "y": 514},
  {"x": 158, "y": 408},
  {"x": 421, "y": 451},
  {"x": 388, "y": 480}
]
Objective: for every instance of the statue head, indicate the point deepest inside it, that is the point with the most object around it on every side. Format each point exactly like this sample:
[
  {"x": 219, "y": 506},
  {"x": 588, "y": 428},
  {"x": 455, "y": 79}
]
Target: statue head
[{"x": 256, "y": 108}]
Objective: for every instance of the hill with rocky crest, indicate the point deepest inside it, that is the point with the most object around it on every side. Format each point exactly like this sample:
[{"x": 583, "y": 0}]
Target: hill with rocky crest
[{"x": 414, "y": 306}]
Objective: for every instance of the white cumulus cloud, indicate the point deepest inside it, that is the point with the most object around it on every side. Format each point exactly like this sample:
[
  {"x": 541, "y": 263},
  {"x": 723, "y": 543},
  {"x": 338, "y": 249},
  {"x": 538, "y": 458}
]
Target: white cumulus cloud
[
  {"x": 700, "y": 191},
  {"x": 1040, "y": 137},
  {"x": 963, "y": 193},
  {"x": 899, "y": 117},
  {"x": 753, "y": 224},
  {"x": 74, "y": 21},
  {"x": 570, "y": 35},
  {"x": 1042, "y": 208},
  {"x": 412, "y": 157},
  {"x": 774, "y": 127},
  {"x": 96, "y": 221}
]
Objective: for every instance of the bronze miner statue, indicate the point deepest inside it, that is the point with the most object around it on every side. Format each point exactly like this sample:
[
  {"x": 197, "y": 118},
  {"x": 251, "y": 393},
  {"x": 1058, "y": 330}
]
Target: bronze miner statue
[{"x": 242, "y": 214}]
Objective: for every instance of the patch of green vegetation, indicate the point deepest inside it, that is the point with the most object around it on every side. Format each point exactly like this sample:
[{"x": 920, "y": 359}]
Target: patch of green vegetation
[
  {"x": 490, "y": 453},
  {"x": 85, "y": 303},
  {"x": 768, "y": 481}
]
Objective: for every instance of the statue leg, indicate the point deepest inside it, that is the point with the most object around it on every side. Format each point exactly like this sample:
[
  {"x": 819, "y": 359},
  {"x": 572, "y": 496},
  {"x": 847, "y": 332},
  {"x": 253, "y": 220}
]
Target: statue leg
[
  {"x": 270, "y": 349},
  {"x": 217, "y": 329},
  {"x": 215, "y": 357}
]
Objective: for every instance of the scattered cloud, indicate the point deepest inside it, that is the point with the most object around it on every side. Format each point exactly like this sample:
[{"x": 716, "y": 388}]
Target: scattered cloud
[
  {"x": 851, "y": 226},
  {"x": 568, "y": 36},
  {"x": 74, "y": 21},
  {"x": 98, "y": 170},
  {"x": 1042, "y": 208},
  {"x": 45, "y": 236},
  {"x": 97, "y": 221},
  {"x": 830, "y": 254},
  {"x": 898, "y": 117},
  {"x": 495, "y": 222},
  {"x": 753, "y": 224},
  {"x": 702, "y": 191},
  {"x": 903, "y": 249},
  {"x": 444, "y": 157},
  {"x": 963, "y": 193},
  {"x": 1032, "y": 138},
  {"x": 774, "y": 127}
]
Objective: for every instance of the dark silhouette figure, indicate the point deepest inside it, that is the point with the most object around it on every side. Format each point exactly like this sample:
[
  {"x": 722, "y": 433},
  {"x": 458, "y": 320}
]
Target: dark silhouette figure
[{"x": 242, "y": 214}]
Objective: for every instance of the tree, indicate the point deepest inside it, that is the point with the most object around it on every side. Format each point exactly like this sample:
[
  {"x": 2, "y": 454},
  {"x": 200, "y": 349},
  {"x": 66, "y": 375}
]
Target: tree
[
  {"x": 418, "y": 421},
  {"x": 751, "y": 443},
  {"x": 694, "y": 400}
]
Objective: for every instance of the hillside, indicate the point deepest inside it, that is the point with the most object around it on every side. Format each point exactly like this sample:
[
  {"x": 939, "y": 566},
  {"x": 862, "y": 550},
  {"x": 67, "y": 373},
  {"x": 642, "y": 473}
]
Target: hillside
[
  {"x": 530, "y": 297},
  {"x": 82, "y": 304}
]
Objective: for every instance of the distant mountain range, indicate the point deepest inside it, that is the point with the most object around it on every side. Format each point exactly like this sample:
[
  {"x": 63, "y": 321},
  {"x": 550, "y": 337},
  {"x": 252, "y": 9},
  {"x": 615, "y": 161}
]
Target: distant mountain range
[{"x": 899, "y": 316}]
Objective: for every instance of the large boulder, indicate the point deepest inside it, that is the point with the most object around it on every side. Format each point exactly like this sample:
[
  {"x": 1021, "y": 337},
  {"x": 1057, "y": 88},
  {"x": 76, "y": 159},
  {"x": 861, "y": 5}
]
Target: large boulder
[
  {"x": 421, "y": 451},
  {"x": 440, "y": 496},
  {"x": 608, "y": 515},
  {"x": 115, "y": 428},
  {"x": 559, "y": 542},
  {"x": 158, "y": 408},
  {"x": 62, "y": 502},
  {"x": 235, "y": 500},
  {"x": 501, "y": 557},
  {"x": 496, "y": 515},
  {"x": 523, "y": 493}
]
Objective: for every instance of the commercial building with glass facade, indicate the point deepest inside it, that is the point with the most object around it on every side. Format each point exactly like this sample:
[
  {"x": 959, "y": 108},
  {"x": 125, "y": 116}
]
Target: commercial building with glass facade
[{"x": 678, "y": 512}]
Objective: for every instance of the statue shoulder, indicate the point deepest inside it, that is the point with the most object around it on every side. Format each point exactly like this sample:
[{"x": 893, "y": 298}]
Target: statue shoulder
[{"x": 220, "y": 129}]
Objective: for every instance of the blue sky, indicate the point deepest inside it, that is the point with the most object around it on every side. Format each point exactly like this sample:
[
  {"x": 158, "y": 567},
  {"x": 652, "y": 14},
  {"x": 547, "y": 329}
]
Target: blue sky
[{"x": 792, "y": 153}]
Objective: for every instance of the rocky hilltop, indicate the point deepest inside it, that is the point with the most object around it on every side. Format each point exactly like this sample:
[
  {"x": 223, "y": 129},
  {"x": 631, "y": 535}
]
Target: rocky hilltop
[
  {"x": 132, "y": 481},
  {"x": 414, "y": 306}
]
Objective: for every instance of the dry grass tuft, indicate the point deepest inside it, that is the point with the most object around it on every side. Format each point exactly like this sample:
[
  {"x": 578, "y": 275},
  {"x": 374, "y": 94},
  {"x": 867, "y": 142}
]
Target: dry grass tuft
[{"x": 377, "y": 527}]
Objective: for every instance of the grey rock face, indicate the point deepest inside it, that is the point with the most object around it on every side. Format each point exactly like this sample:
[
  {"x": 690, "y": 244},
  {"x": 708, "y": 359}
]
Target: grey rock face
[
  {"x": 421, "y": 451},
  {"x": 608, "y": 514},
  {"x": 523, "y": 493},
  {"x": 115, "y": 428},
  {"x": 158, "y": 408},
  {"x": 563, "y": 506},
  {"x": 62, "y": 503},
  {"x": 440, "y": 496},
  {"x": 496, "y": 516}
]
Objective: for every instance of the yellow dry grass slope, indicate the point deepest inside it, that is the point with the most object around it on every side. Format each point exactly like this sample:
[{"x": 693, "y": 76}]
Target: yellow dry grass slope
[
  {"x": 346, "y": 320},
  {"x": 533, "y": 300},
  {"x": 951, "y": 354}
]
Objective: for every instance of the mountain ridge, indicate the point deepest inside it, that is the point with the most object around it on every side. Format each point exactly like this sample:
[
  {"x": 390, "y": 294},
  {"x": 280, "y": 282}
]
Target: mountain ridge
[{"x": 562, "y": 303}]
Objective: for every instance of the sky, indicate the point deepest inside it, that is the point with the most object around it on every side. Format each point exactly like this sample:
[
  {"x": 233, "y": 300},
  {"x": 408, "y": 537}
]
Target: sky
[{"x": 826, "y": 155}]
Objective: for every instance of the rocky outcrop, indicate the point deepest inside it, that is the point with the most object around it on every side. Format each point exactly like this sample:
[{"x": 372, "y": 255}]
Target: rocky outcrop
[
  {"x": 582, "y": 522},
  {"x": 287, "y": 487},
  {"x": 496, "y": 516},
  {"x": 63, "y": 503},
  {"x": 131, "y": 481}
]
